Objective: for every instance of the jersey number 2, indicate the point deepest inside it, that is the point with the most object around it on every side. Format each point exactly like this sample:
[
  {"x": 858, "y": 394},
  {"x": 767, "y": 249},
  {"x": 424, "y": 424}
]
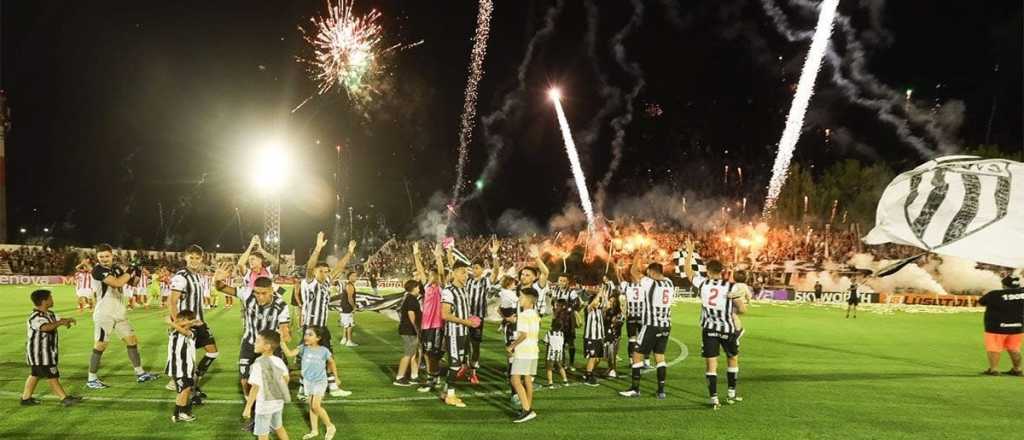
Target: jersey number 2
[{"x": 713, "y": 297}]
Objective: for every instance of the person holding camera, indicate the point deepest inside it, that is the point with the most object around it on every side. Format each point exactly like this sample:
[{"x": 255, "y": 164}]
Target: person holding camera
[{"x": 109, "y": 315}]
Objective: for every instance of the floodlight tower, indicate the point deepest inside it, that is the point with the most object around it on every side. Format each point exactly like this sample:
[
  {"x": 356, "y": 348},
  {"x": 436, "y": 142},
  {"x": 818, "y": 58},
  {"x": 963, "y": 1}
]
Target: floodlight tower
[{"x": 271, "y": 175}]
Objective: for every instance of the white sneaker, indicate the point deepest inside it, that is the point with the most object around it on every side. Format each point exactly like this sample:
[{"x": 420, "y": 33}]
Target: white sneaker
[
  {"x": 183, "y": 417},
  {"x": 714, "y": 403},
  {"x": 351, "y": 344},
  {"x": 340, "y": 393},
  {"x": 343, "y": 341},
  {"x": 310, "y": 435},
  {"x": 629, "y": 393},
  {"x": 171, "y": 386},
  {"x": 611, "y": 373}
]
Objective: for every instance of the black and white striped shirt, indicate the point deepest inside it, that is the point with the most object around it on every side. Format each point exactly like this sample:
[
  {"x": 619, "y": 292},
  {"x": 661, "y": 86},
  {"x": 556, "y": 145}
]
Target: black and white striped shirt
[
  {"x": 190, "y": 284},
  {"x": 41, "y": 347},
  {"x": 459, "y": 300},
  {"x": 316, "y": 297},
  {"x": 181, "y": 355},
  {"x": 635, "y": 300},
  {"x": 477, "y": 290},
  {"x": 569, "y": 295},
  {"x": 657, "y": 311},
  {"x": 259, "y": 317},
  {"x": 716, "y": 308},
  {"x": 593, "y": 328}
]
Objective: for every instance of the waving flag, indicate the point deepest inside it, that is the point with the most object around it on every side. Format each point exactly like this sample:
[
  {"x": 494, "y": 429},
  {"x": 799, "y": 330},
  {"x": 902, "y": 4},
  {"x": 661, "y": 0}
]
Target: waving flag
[
  {"x": 679, "y": 257},
  {"x": 962, "y": 206}
]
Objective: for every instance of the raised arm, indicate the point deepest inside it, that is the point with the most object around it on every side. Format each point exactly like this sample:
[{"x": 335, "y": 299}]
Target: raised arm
[
  {"x": 343, "y": 262},
  {"x": 439, "y": 263},
  {"x": 244, "y": 258},
  {"x": 688, "y": 264},
  {"x": 315, "y": 255},
  {"x": 542, "y": 280},
  {"x": 495, "y": 267},
  {"x": 636, "y": 270},
  {"x": 220, "y": 277},
  {"x": 421, "y": 273}
]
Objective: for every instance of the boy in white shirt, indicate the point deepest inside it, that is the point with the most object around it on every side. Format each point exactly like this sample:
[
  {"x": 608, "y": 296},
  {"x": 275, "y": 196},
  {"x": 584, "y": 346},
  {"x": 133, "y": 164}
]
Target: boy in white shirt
[
  {"x": 524, "y": 352},
  {"x": 268, "y": 380}
]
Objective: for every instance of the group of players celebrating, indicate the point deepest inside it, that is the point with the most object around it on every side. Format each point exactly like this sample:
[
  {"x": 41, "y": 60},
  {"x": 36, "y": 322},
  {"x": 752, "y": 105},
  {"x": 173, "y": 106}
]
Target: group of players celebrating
[{"x": 446, "y": 304}]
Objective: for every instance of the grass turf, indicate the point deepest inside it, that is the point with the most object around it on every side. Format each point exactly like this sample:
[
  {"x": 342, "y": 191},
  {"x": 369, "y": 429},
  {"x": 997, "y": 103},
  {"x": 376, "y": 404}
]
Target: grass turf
[{"x": 806, "y": 372}]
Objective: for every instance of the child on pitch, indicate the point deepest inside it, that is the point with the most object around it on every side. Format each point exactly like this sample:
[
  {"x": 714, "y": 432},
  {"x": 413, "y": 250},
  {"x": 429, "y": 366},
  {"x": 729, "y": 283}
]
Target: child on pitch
[
  {"x": 555, "y": 339},
  {"x": 181, "y": 363},
  {"x": 316, "y": 362},
  {"x": 524, "y": 353},
  {"x": 41, "y": 350},
  {"x": 268, "y": 392}
]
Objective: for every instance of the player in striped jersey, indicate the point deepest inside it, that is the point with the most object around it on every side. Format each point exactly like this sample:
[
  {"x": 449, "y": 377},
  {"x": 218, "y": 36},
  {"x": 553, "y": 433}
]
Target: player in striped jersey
[
  {"x": 566, "y": 290},
  {"x": 656, "y": 323},
  {"x": 141, "y": 288},
  {"x": 41, "y": 349},
  {"x": 719, "y": 304},
  {"x": 109, "y": 316},
  {"x": 315, "y": 298},
  {"x": 83, "y": 285},
  {"x": 593, "y": 334},
  {"x": 455, "y": 311},
  {"x": 635, "y": 301},
  {"x": 262, "y": 311},
  {"x": 181, "y": 362},
  {"x": 478, "y": 287},
  {"x": 187, "y": 294}
]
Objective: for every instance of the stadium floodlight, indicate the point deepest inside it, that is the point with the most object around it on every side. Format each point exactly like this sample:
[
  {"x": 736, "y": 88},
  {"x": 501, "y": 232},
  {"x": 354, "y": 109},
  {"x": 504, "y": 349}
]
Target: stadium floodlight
[{"x": 271, "y": 168}]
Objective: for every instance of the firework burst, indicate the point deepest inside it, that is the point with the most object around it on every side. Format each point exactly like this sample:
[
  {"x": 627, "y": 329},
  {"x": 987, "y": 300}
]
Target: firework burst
[{"x": 348, "y": 51}]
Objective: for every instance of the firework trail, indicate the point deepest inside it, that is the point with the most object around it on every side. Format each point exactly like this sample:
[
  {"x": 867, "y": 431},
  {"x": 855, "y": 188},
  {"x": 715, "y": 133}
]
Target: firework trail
[
  {"x": 890, "y": 100},
  {"x": 348, "y": 51},
  {"x": 574, "y": 159},
  {"x": 512, "y": 102},
  {"x": 476, "y": 70},
  {"x": 804, "y": 91},
  {"x": 622, "y": 121},
  {"x": 610, "y": 94}
]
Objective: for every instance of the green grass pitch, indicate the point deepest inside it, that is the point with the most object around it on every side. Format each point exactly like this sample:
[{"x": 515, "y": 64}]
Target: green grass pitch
[{"x": 806, "y": 372}]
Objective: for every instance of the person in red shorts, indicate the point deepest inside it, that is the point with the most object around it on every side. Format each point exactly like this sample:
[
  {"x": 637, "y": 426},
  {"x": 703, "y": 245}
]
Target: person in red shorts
[{"x": 1004, "y": 325}]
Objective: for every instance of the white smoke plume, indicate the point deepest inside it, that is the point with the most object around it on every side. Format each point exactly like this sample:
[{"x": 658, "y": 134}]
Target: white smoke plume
[
  {"x": 513, "y": 100},
  {"x": 959, "y": 275},
  {"x": 610, "y": 94},
  {"x": 622, "y": 121},
  {"x": 514, "y": 223},
  {"x": 911, "y": 276}
]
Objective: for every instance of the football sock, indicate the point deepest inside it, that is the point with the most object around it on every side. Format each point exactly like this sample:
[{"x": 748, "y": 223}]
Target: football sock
[
  {"x": 204, "y": 364},
  {"x": 94, "y": 363},
  {"x": 133, "y": 356},
  {"x": 732, "y": 374},
  {"x": 662, "y": 371},
  {"x": 637, "y": 367},
  {"x": 712, "y": 383}
]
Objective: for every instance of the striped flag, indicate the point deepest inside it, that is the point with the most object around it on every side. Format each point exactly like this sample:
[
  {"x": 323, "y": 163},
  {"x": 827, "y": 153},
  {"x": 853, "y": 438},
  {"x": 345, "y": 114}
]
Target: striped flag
[
  {"x": 959, "y": 206},
  {"x": 698, "y": 263}
]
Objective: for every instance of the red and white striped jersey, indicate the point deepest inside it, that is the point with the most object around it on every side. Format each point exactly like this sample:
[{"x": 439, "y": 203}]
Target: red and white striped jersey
[{"x": 83, "y": 280}]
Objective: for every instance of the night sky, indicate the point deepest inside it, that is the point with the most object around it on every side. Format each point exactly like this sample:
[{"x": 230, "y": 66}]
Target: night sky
[{"x": 121, "y": 108}]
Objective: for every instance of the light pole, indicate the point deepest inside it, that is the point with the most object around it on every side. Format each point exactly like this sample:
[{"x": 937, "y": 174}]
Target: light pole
[{"x": 270, "y": 174}]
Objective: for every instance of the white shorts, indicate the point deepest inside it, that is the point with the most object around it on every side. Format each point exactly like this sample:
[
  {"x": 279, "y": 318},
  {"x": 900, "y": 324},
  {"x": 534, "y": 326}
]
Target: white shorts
[
  {"x": 316, "y": 388},
  {"x": 129, "y": 291},
  {"x": 524, "y": 367},
  {"x": 165, "y": 293},
  {"x": 264, "y": 423},
  {"x": 84, "y": 293},
  {"x": 104, "y": 327},
  {"x": 348, "y": 320}
]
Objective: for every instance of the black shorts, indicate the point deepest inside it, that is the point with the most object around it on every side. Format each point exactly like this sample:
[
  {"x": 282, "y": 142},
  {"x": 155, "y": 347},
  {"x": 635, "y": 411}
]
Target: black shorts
[
  {"x": 432, "y": 341},
  {"x": 510, "y": 333},
  {"x": 455, "y": 346},
  {"x": 45, "y": 371},
  {"x": 246, "y": 356},
  {"x": 653, "y": 339},
  {"x": 203, "y": 336},
  {"x": 712, "y": 342},
  {"x": 632, "y": 328},
  {"x": 570, "y": 339},
  {"x": 476, "y": 334},
  {"x": 324, "y": 342},
  {"x": 593, "y": 348},
  {"x": 853, "y": 301},
  {"x": 183, "y": 383}
]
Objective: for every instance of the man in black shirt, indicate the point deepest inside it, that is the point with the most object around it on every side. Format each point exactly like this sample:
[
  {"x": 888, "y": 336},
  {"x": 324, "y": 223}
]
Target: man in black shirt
[
  {"x": 1004, "y": 325},
  {"x": 409, "y": 315}
]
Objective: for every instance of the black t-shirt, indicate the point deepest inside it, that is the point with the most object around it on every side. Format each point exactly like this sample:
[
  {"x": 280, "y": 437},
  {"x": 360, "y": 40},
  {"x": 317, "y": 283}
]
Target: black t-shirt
[
  {"x": 1004, "y": 311},
  {"x": 346, "y": 306},
  {"x": 409, "y": 304}
]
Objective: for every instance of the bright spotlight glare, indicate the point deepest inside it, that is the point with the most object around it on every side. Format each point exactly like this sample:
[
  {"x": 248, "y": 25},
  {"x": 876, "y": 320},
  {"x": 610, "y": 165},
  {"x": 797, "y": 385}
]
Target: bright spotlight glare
[
  {"x": 270, "y": 169},
  {"x": 554, "y": 94}
]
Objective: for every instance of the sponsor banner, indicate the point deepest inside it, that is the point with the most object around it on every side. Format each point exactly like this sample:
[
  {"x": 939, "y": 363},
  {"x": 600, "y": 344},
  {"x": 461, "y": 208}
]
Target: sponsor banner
[
  {"x": 775, "y": 294},
  {"x": 684, "y": 293},
  {"x": 28, "y": 280},
  {"x": 834, "y": 297},
  {"x": 932, "y": 300},
  {"x": 361, "y": 283}
]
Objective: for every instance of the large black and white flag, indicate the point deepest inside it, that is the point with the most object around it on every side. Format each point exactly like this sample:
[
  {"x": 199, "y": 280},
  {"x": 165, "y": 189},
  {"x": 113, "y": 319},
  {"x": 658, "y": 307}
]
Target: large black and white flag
[
  {"x": 962, "y": 206},
  {"x": 698, "y": 266}
]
